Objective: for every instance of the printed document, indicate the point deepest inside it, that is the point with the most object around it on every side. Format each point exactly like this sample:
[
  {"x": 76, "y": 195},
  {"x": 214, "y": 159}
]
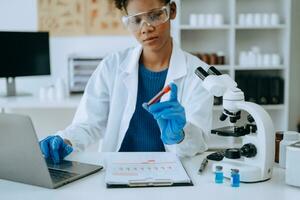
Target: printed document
[{"x": 152, "y": 168}]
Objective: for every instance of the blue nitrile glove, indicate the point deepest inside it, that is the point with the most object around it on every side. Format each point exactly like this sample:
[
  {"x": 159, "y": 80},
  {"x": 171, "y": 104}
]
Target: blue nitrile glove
[
  {"x": 170, "y": 116},
  {"x": 55, "y": 148}
]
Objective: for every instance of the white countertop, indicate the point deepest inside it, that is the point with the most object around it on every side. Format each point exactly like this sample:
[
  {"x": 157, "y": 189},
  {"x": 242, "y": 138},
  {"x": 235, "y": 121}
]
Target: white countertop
[{"x": 93, "y": 187}]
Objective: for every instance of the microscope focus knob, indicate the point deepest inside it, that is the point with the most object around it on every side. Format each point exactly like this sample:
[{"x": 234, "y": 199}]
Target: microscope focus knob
[
  {"x": 233, "y": 119},
  {"x": 232, "y": 153},
  {"x": 248, "y": 150},
  {"x": 250, "y": 119},
  {"x": 223, "y": 117}
]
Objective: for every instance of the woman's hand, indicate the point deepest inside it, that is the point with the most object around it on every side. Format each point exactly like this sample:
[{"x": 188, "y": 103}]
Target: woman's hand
[{"x": 170, "y": 116}]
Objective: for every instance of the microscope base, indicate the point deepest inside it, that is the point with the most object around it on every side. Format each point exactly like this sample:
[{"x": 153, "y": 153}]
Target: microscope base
[{"x": 248, "y": 173}]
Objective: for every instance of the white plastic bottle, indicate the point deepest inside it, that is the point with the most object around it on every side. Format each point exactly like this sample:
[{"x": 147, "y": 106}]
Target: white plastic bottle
[
  {"x": 289, "y": 137},
  {"x": 60, "y": 89},
  {"x": 43, "y": 93},
  {"x": 193, "y": 19},
  {"x": 51, "y": 93}
]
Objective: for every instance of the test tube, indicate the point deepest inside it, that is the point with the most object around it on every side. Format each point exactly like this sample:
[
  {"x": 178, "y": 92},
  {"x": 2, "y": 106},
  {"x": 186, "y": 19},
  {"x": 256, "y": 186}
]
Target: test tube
[{"x": 157, "y": 97}]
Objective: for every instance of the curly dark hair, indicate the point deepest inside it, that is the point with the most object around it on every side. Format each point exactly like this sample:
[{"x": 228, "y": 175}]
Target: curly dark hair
[{"x": 122, "y": 4}]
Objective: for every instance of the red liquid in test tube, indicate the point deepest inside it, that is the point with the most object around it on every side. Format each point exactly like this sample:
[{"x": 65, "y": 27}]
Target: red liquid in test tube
[{"x": 157, "y": 97}]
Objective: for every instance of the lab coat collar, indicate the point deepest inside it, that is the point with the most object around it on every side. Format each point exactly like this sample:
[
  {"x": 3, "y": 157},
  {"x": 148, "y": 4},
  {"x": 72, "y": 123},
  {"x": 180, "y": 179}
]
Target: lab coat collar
[
  {"x": 178, "y": 65},
  {"x": 177, "y": 68},
  {"x": 131, "y": 62}
]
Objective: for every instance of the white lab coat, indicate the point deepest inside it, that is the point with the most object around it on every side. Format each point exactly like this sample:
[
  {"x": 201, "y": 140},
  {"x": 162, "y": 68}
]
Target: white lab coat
[{"x": 109, "y": 101}]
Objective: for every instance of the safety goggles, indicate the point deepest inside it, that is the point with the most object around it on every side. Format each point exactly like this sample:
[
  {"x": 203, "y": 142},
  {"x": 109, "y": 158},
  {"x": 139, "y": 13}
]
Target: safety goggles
[{"x": 154, "y": 17}]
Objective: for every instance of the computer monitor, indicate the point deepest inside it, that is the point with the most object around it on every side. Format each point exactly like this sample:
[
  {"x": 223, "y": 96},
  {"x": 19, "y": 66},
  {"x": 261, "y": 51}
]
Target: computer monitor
[{"x": 23, "y": 54}]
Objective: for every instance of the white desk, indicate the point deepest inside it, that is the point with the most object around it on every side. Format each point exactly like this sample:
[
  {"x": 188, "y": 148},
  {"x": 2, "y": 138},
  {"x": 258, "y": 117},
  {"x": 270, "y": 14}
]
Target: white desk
[{"x": 93, "y": 187}]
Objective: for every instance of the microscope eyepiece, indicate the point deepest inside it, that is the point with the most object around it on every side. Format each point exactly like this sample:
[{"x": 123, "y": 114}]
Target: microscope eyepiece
[
  {"x": 223, "y": 117},
  {"x": 213, "y": 71},
  {"x": 201, "y": 73}
]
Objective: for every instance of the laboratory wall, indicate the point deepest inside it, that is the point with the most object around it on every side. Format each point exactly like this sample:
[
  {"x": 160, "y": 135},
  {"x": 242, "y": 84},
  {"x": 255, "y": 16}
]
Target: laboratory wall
[{"x": 21, "y": 15}]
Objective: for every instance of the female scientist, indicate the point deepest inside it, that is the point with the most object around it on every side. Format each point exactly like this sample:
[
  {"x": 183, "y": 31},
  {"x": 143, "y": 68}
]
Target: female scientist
[{"x": 111, "y": 108}]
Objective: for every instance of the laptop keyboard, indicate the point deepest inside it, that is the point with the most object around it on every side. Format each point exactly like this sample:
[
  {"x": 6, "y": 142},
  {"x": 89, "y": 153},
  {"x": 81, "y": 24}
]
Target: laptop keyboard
[{"x": 58, "y": 175}]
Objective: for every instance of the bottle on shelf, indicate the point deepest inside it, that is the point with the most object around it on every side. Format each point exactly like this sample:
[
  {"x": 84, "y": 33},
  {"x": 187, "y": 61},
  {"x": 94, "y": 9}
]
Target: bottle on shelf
[
  {"x": 278, "y": 139},
  {"x": 254, "y": 58},
  {"x": 221, "y": 58},
  {"x": 258, "y": 19},
  {"x": 206, "y": 20},
  {"x": 215, "y": 58}
]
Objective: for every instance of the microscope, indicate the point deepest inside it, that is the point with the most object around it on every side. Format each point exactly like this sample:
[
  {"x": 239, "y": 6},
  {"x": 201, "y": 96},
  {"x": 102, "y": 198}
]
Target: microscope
[{"x": 255, "y": 158}]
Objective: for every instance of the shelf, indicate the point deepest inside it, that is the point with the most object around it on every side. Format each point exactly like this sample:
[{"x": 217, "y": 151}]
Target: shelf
[
  {"x": 233, "y": 38},
  {"x": 239, "y": 27},
  {"x": 188, "y": 27},
  {"x": 258, "y": 68},
  {"x": 222, "y": 67},
  {"x": 266, "y": 107},
  {"x": 207, "y": 42},
  {"x": 227, "y": 27},
  {"x": 274, "y": 107}
]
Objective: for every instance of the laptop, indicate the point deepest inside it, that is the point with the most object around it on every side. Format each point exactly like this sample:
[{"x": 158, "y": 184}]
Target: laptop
[{"x": 22, "y": 160}]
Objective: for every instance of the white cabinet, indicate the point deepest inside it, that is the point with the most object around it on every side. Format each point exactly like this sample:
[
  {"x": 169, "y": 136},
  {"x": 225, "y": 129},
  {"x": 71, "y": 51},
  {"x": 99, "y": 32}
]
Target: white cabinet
[
  {"x": 80, "y": 70},
  {"x": 259, "y": 25}
]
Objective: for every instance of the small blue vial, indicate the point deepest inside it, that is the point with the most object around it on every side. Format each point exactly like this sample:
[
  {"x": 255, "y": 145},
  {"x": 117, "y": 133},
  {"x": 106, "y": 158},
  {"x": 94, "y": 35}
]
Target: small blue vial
[
  {"x": 235, "y": 178},
  {"x": 219, "y": 175}
]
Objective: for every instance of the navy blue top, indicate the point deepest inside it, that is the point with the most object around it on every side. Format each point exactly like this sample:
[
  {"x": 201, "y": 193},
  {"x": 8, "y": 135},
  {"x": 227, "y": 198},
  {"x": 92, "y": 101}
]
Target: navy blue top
[{"x": 143, "y": 133}]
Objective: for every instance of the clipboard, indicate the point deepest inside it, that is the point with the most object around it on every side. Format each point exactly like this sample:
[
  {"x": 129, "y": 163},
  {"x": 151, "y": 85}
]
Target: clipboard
[{"x": 133, "y": 170}]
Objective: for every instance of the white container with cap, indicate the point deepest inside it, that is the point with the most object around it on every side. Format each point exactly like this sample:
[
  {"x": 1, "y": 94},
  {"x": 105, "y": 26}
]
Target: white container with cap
[
  {"x": 274, "y": 19},
  {"x": 43, "y": 93},
  {"x": 193, "y": 19},
  {"x": 209, "y": 20},
  {"x": 243, "y": 58},
  {"x": 266, "y": 60},
  {"x": 266, "y": 19},
  {"x": 60, "y": 89},
  {"x": 289, "y": 137},
  {"x": 242, "y": 19},
  {"x": 201, "y": 20},
  {"x": 51, "y": 93},
  {"x": 249, "y": 19},
  {"x": 275, "y": 59},
  {"x": 257, "y": 19},
  {"x": 218, "y": 19},
  {"x": 292, "y": 172}
]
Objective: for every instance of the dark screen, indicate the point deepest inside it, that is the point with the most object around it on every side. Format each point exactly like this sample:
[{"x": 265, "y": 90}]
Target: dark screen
[{"x": 24, "y": 54}]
